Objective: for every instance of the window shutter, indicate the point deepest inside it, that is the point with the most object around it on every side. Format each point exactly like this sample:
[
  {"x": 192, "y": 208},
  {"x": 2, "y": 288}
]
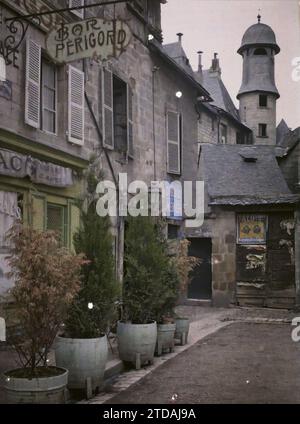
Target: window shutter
[
  {"x": 33, "y": 84},
  {"x": 129, "y": 122},
  {"x": 75, "y": 3},
  {"x": 107, "y": 108},
  {"x": 76, "y": 106},
  {"x": 173, "y": 133}
]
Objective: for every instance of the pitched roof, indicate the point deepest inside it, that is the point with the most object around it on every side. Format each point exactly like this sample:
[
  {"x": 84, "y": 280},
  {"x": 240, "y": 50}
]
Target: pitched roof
[
  {"x": 281, "y": 131},
  {"x": 159, "y": 49},
  {"x": 232, "y": 179},
  {"x": 290, "y": 140},
  {"x": 176, "y": 52},
  {"x": 221, "y": 98}
]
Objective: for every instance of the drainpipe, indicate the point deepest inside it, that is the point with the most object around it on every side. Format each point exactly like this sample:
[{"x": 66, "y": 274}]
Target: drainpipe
[{"x": 154, "y": 70}]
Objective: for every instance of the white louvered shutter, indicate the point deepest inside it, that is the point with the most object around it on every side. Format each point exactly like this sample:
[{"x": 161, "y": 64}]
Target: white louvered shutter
[
  {"x": 75, "y": 3},
  {"x": 130, "y": 150},
  {"x": 76, "y": 106},
  {"x": 173, "y": 134},
  {"x": 33, "y": 84},
  {"x": 107, "y": 108}
]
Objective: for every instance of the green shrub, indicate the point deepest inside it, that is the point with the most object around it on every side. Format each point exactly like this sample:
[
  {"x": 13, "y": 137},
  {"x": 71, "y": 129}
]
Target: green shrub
[
  {"x": 150, "y": 282},
  {"x": 99, "y": 286}
]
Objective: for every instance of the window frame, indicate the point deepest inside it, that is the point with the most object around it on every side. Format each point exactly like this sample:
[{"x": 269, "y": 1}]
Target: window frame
[
  {"x": 260, "y": 97},
  {"x": 260, "y": 127},
  {"x": 44, "y": 59},
  {"x": 65, "y": 222},
  {"x": 226, "y": 133}
]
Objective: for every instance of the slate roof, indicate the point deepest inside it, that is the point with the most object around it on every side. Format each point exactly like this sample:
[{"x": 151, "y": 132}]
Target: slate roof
[
  {"x": 219, "y": 93},
  {"x": 290, "y": 140},
  {"x": 159, "y": 49},
  {"x": 232, "y": 180},
  {"x": 281, "y": 131},
  {"x": 176, "y": 52}
]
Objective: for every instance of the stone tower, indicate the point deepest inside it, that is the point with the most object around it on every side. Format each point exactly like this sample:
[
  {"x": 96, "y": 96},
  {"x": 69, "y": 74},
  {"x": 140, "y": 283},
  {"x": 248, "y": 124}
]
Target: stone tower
[{"x": 258, "y": 93}]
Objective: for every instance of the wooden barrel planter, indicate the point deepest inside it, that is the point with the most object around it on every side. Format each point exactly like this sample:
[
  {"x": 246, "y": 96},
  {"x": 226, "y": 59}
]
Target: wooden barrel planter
[
  {"x": 85, "y": 359},
  {"x": 136, "y": 342},
  {"x": 165, "y": 338},
  {"x": 41, "y": 390},
  {"x": 182, "y": 330}
]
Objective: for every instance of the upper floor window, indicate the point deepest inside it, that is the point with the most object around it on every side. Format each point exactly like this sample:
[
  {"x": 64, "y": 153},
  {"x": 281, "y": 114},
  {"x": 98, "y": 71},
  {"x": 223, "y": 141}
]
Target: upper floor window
[
  {"x": 174, "y": 140},
  {"x": 49, "y": 97},
  {"x": 41, "y": 95},
  {"x": 263, "y": 100},
  {"x": 223, "y": 133},
  {"x": 117, "y": 113},
  {"x": 262, "y": 130},
  {"x": 260, "y": 52}
]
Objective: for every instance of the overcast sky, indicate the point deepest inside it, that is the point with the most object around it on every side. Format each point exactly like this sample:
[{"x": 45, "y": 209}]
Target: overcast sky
[{"x": 218, "y": 26}]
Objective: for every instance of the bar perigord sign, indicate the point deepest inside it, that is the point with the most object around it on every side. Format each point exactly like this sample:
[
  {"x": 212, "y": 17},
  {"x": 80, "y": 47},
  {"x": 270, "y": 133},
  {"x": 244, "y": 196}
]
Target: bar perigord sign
[{"x": 95, "y": 38}]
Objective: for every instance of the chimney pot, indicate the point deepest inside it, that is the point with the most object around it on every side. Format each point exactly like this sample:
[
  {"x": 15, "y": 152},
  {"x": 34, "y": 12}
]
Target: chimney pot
[{"x": 179, "y": 34}]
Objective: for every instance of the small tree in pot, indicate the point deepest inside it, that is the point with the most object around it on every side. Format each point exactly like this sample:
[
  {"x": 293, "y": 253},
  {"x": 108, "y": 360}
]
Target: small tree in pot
[
  {"x": 47, "y": 277},
  {"x": 145, "y": 292},
  {"x": 84, "y": 343}
]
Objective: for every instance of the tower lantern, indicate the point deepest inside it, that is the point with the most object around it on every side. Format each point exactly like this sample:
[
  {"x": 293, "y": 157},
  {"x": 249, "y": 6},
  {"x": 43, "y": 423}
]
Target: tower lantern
[{"x": 258, "y": 93}]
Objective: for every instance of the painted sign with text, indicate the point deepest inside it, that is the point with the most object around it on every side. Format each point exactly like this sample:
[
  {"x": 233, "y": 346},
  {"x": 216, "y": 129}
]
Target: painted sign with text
[{"x": 95, "y": 38}]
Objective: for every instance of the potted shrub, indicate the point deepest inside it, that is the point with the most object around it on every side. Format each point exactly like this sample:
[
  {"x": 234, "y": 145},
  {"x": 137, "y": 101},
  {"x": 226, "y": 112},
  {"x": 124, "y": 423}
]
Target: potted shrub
[
  {"x": 166, "y": 324},
  {"x": 146, "y": 267},
  {"x": 184, "y": 264},
  {"x": 47, "y": 277},
  {"x": 83, "y": 345}
]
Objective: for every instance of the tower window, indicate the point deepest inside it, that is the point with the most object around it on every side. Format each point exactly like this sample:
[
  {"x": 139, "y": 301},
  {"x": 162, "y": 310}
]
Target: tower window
[
  {"x": 260, "y": 52},
  {"x": 262, "y": 130},
  {"x": 263, "y": 100}
]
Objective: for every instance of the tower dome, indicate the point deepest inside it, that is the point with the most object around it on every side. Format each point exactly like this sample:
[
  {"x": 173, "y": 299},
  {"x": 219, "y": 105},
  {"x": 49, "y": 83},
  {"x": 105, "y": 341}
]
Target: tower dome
[{"x": 259, "y": 35}]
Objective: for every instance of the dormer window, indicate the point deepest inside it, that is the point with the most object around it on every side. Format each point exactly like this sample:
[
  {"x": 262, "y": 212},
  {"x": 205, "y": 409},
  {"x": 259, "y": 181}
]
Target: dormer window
[{"x": 260, "y": 52}]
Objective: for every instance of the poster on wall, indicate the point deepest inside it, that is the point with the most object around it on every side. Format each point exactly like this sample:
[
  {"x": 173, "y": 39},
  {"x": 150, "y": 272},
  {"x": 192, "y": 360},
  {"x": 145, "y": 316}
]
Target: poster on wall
[{"x": 251, "y": 229}]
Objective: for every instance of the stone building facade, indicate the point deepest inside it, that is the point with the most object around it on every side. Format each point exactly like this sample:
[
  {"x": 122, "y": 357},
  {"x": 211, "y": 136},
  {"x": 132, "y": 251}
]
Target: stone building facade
[
  {"x": 146, "y": 114},
  {"x": 122, "y": 113}
]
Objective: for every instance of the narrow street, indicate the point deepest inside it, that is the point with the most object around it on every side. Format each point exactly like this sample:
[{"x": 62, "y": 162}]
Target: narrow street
[{"x": 241, "y": 363}]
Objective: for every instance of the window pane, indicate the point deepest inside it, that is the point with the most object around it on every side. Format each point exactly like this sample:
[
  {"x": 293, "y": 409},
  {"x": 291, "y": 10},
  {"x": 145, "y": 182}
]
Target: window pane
[
  {"x": 48, "y": 72},
  {"x": 55, "y": 220},
  {"x": 49, "y": 99},
  {"x": 49, "y": 121}
]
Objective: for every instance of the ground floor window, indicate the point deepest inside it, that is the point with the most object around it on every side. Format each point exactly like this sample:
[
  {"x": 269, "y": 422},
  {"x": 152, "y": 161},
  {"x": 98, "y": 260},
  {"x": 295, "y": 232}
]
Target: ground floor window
[{"x": 57, "y": 221}]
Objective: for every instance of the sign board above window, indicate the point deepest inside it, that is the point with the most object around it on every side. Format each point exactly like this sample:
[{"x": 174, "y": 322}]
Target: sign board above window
[{"x": 94, "y": 38}]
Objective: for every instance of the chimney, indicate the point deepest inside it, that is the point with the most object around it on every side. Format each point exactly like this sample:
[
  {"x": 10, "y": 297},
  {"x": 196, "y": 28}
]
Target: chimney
[
  {"x": 215, "y": 69},
  {"x": 179, "y": 34},
  {"x": 200, "y": 61},
  {"x": 200, "y": 66}
]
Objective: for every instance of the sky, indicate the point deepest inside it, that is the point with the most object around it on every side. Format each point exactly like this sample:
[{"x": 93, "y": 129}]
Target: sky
[{"x": 218, "y": 26}]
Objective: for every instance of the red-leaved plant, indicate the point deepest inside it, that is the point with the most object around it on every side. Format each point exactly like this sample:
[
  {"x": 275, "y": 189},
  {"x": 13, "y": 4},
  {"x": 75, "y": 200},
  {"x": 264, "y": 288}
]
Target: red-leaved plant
[{"x": 47, "y": 277}]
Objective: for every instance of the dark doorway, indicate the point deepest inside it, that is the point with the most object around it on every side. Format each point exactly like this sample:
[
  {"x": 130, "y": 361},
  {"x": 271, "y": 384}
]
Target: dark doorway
[{"x": 200, "y": 285}]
